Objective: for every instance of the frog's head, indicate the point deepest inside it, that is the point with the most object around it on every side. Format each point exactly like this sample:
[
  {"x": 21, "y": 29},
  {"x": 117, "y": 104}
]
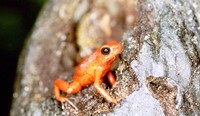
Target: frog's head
[{"x": 110, "y": 51}]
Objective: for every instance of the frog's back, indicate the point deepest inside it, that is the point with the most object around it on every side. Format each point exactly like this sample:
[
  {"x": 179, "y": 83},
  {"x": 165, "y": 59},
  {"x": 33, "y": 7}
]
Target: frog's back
[{"x": 85, "y": 71}]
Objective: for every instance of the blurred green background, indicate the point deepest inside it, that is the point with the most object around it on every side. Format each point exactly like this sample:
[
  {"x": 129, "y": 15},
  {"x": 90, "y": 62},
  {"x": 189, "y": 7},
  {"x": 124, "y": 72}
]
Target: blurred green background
[{"x": 16, "y": 20}]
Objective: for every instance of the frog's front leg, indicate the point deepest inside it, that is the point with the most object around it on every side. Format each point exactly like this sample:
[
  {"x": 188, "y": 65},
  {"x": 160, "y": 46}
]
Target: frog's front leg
[
  {"x": 99, "y": 88},
  {"x": 111, "y": 78}
]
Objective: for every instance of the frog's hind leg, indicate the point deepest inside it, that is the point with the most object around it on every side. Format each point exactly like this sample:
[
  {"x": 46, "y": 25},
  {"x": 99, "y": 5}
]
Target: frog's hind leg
[{"x": 61, "y": 85}]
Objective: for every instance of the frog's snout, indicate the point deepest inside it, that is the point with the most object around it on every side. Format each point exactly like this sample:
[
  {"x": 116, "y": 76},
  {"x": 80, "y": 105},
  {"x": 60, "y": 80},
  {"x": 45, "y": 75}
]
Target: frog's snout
[{"x": 120, "y": 47}]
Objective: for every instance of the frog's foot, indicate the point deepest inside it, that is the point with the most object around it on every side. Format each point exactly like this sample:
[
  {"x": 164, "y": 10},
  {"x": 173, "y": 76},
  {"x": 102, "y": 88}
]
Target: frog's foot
[
  {"x": 114, "y": 101},
  {"x": 67, "y": 100}
]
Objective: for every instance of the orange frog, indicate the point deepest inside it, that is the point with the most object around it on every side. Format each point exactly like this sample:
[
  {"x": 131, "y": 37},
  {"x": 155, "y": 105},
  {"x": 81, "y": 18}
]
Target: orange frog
[{"x": 91, "y": 70}]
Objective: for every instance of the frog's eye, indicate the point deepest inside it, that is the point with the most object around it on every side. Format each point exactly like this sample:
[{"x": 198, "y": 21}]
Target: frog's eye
[{"x": 105, "y": 50}]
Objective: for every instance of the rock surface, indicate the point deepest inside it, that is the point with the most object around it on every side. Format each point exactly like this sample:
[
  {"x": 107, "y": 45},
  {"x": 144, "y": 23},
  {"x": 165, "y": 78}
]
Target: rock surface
[
  {"x": 167, "y": 60},
  {"x": 158, "y": 73}
]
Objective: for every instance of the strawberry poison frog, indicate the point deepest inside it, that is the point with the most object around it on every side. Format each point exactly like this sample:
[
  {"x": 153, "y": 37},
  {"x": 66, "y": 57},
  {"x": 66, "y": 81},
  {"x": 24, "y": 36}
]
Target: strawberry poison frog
[{"x": 91, "y": 70}]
